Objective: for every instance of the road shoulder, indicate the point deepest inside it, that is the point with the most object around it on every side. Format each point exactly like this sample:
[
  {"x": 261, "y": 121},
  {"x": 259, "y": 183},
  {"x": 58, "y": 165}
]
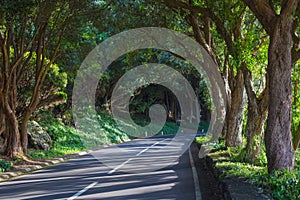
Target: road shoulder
[{"x": 209, "y": 185}]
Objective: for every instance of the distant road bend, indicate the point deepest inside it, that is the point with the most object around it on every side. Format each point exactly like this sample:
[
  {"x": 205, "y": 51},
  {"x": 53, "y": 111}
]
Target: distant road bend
[{"x": 89, "y": 178}]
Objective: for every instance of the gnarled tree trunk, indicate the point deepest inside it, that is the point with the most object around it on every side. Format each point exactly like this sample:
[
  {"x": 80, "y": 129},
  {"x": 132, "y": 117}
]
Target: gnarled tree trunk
[
  {"x": 278, "y": 138},
  {"x": 8, "y": 99},
  {"x": 12, "y": 142},
  {"x": 235, "y": 116},
  {"x": 256, "y": 117}
]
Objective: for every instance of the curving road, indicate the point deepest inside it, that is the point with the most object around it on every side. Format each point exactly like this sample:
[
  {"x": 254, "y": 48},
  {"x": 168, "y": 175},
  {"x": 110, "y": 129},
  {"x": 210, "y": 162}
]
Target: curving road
[{"x": 89, "y": 178}]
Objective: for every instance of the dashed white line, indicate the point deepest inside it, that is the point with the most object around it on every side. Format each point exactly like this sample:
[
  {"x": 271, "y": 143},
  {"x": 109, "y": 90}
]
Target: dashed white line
[
  {"x": 127, "y": 161},
  {"x": 195, "y": 177},
  {"x": 149, "y": 148},
  {"x": 113, "y": 170},
  {"x": 82, "y": 191},
  {"x": 120, "y": 166}
]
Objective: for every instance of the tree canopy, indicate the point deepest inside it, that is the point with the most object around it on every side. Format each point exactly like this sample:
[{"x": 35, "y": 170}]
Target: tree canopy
[{"x": 255, "y": 45}]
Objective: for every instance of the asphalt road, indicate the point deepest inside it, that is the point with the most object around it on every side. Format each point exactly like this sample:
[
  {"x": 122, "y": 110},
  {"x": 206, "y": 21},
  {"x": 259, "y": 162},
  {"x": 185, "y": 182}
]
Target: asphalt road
[{"x": 132, "y": 170}]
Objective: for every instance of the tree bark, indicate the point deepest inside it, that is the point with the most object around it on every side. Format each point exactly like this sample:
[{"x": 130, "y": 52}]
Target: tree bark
[
  {"x": 236, "y": 113},
  {"x": 8, "y": 100},
  {"x": 278, "y": 138},
  {"x": 256, "y": 117},
  {"x": 296, "y": 140},
  {"x": 296, "y": 135},
  {"x": 13, "y": 145}
]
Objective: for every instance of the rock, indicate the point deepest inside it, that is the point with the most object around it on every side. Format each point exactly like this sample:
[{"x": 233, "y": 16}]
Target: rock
[{"x": 38, "y": 138}]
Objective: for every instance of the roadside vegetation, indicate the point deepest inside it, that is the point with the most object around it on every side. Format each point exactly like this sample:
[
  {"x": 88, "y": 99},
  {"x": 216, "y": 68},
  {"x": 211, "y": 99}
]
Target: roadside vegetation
[
  {"x": 66, "y": 139},
  {"x": 5, "y": 165},
  {"x": 43, "y": 44},
  {"x": 230, "y": 161}
]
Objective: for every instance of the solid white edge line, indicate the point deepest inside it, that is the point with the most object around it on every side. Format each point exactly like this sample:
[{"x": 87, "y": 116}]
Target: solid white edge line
[
  {"x": 82, "y": 191},
  {"x": 143, "y": 151},
  {"x": 195, "y": 177}
]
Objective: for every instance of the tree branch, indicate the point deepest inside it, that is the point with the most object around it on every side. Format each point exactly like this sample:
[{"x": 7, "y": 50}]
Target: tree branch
[
  {"x": 264, "y": 11},
  {"x": 287, "y": 6}
]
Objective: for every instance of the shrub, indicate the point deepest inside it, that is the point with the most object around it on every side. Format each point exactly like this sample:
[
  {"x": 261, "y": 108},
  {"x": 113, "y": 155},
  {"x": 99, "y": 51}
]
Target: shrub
[
  {"x": 282, "y": 184},
  {"x": 5, "y": 165},
  {"x": 67, "y": 140}
]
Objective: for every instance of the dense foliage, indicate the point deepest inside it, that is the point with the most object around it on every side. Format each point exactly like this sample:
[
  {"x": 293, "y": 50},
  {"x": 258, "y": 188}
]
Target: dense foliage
[
  {"x": 255, "y": 45},
  {"x": 281, "y": 184},
  {"x": 67, "y": 140},
  {"x": 5, "y": 165}
]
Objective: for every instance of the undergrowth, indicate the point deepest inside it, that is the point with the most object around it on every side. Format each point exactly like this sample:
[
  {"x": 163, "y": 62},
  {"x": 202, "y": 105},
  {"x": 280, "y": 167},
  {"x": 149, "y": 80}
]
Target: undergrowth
[
  {"x": 281, "y": 184},
  {"x": 5, "y": 165},
  {"x": 68, "y": 140}
]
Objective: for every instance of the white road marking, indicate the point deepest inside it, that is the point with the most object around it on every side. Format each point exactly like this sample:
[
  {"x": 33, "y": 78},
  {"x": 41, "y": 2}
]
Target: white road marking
[
  {"x": 149, "y": 148},
  {"x": 195, "y": 177},
  {"x": 113, "y": 170},
  {"x": 82, "y": 191},
  {"x": 127, "y": 161},
  {"x": 120, "y": 166}
]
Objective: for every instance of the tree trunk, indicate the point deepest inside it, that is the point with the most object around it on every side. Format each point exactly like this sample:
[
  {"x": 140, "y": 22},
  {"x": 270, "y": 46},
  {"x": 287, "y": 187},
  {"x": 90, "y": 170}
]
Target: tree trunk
[
  {"x": 296, "y": 140},
  {"x": 236, "y": 113},
  {"x": 197, "y": 107},
  {"x": 278, "y": 137},
  {"x": 225, "y": 76},
  {"x": 296, "y": 135},
  {"x": 254, "y": 134},
  {"x": 256, "y": 117},
  {"x": 2, "y": 132},
  {"x": 8, "y": 101},
  {"x": 13, "y": 143}
]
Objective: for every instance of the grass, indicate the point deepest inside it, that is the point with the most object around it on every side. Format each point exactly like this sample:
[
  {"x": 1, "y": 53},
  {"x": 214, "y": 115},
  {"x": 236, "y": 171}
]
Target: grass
[
  {"x": 169, "y": 127},
  {"x": 282, "y": 184},
  {"x": 203, "y": 139},
  {"x": 67, "y": 140}
]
